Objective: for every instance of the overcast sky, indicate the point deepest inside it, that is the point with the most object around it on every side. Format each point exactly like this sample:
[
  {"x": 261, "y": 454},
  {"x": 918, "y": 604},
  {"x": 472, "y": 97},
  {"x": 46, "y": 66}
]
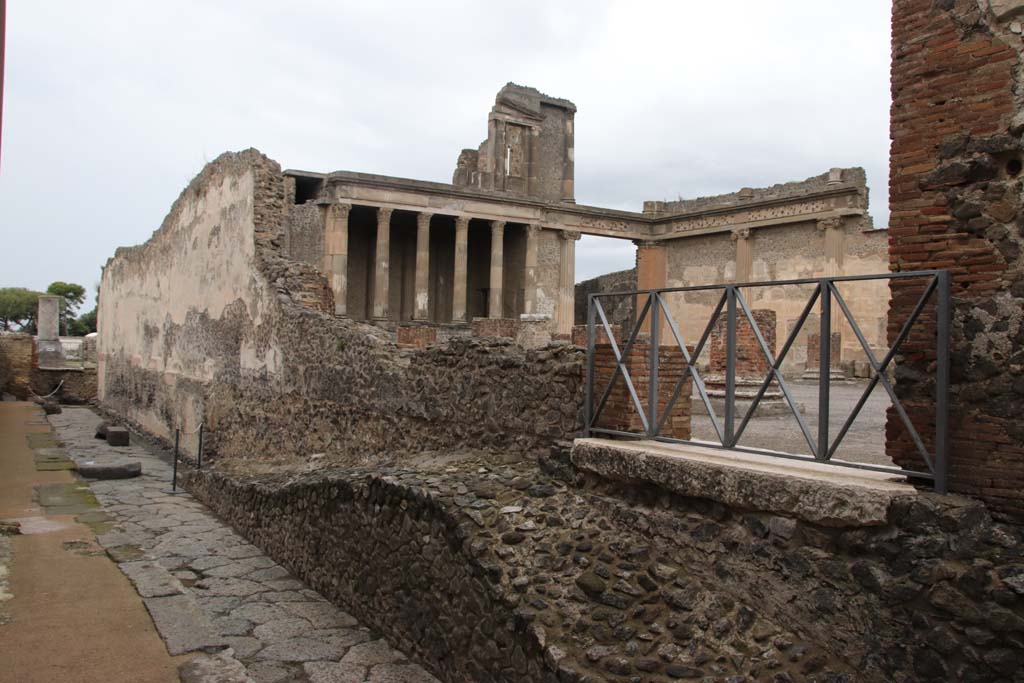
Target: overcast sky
[{"x": 112, "y": 107}]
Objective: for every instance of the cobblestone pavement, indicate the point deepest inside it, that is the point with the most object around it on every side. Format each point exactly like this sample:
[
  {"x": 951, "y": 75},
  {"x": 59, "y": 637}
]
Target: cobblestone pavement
[{"x": 209, "y": 590}]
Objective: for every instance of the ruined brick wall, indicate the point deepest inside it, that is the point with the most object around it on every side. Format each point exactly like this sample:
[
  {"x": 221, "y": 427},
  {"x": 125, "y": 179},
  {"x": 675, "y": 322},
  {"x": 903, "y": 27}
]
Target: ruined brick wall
[
  {"x": 750, "y": 359},
  {"x": 19, "y": 352},
  {"x": 495, "y": 327},
  {"x": 211, "y": 322},
  {"x": 71, "y": 386},
  {"x": 955, "y": 191},
  {"x": 416, "y": 336},
  {"x": 619, "y": 412}
]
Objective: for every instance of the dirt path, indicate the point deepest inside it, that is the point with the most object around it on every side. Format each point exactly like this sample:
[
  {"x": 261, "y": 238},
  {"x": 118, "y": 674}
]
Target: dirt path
[{"x": 72, "y": 615}]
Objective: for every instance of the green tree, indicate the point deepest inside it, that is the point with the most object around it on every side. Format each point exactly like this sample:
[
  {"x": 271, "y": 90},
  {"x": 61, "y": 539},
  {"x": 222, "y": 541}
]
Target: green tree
[
  {"x": 18, "y": 308},
  {"x": 83, "y": 324}
]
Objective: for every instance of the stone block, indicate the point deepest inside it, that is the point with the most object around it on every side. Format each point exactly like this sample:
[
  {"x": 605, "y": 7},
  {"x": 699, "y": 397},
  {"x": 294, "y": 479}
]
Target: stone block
[
  {"x": 118, "y": 469},
  {"x": 117, "y": 436}
]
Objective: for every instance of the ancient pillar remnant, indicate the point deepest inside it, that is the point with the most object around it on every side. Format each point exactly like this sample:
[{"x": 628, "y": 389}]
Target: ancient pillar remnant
[
  {"x": 651, "y": 273},
  {"x": 383, "y": 257},
  {"x": 336, "y": 254},
  {"x": 421, "y": 309},
  {"x": 494, "y": 306},
  {"x": 566, "y": 280},
  {"x": 48, "y": 318},
  {"x": 744, "y": 255},
  {"x": 461, "y": 269},
  {"x": 530, "y": 271}
]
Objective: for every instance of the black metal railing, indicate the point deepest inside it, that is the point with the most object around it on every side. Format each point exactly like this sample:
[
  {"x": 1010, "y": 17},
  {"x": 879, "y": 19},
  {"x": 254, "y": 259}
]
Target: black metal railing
[{"x": 826, "y": 293}]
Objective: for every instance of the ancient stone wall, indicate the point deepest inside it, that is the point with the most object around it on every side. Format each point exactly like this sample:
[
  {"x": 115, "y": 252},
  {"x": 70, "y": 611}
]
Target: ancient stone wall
[
  {"x": 67, "y": 386},
  {"x": 955, "y": 191},
  {"x": 210, "y": 322},
  {"x": 620, "y": 310},
  {"x": 18, "y": 351},
  {"x": 304, "y": 234},
  {"x": 500, "y": 573}
]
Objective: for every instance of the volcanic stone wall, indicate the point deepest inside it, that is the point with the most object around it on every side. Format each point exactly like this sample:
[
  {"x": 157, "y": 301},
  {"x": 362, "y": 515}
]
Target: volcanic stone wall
[
  {"x": 955, "y": 192},
  {"x": 210, "y": 322},
  {"x": 500, "y": 573}
]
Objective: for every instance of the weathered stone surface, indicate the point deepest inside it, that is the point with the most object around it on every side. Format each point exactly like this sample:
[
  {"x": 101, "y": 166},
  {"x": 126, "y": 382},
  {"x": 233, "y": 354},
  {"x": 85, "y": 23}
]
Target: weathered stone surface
[
  {"x": 805, "y": 491},
  {"x": 118, "y": 436},
  {"x": 219, "y": 668},
  {"x": 151, "y": 580},
  {"x": 182, "y": 625},
  {"x": 117, "y": 469}
]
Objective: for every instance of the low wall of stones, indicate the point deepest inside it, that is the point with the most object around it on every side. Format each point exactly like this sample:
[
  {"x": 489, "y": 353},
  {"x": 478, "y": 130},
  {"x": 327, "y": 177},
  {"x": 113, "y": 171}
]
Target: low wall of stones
[
  {"x": 17, "y": 358},
  {"x": 71, "y": 386},
  {"x": 397, "y": 558},
  {"x": 490, "y": 572}
]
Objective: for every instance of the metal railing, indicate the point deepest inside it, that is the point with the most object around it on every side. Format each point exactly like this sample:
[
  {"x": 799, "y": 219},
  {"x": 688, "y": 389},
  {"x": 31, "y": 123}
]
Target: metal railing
[{"x": 822, "y": 446}]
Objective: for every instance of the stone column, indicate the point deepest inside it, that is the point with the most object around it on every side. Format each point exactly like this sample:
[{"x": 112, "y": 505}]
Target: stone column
[
  {"x": 383, "y": 258},
  {"x": 496, "y": 304},
  {"x": 336, "y": 254},
  {"x": 421, "y": 309},
  {"x": 461, "y": 274},
  {"x": 48, "y": 318},
  {"x": 832, "y": 229},
  {"x": 530, "y": 270},
  {"x": 651, "y": 273},
  {"x": 744, "y": 255},
  {"x": 566, "y": 281}
]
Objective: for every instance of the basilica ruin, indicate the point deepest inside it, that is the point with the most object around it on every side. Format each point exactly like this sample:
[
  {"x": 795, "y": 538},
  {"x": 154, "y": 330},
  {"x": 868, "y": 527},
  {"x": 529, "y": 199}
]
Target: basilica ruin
[{"x": 392, "y": 391}]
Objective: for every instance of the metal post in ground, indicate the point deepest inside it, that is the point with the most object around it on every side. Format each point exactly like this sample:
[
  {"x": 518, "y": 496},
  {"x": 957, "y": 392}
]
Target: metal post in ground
[{"x": 199, "y": 457}]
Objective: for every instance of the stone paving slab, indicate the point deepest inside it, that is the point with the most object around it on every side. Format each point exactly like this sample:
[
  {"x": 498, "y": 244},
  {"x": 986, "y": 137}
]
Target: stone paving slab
[{"x": 208, "y": 589}]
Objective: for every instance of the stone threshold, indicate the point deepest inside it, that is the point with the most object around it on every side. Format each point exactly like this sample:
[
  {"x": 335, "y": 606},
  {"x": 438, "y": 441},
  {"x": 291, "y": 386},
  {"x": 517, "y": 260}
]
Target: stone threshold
[{"x": 813, "y": 492}]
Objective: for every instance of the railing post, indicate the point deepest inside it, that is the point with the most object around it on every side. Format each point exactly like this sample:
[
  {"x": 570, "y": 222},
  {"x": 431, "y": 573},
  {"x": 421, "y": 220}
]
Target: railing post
[
  {"x": 943, "y": 313},
  {"x": 652, "y": 379},
  {"x": 174, "y": 475},
  {"x": 824, "y": 368},
  {"x": 588, "y": 395},
  {"x": 730, "y": 366},
  {"x": 199, "y": 457}
]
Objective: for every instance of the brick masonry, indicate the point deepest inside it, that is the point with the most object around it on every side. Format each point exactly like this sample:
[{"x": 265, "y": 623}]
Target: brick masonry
[
  {"x": 955, "y": 191},
  {"x": 750, "y": 359},
  {"x": 416, "y": 336},
  {"x": 495, "y": 327}
]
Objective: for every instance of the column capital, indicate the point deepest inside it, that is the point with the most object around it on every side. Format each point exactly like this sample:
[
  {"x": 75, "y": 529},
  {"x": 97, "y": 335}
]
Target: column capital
[
  {"x": 533, "y": 229},
  {"x": 423, "y": 219},
  {"x": 383, "y": 214},
  {"x": 740, "y": 234},
  {"x": 648, "y": 244},
  {"x": 830, "y": 223},
  {"x": 461, "y": 222},
  {"x": 570, "y": 235},
  {"x": 339, "y": 210},
  {"x": 497, "y": 226}
]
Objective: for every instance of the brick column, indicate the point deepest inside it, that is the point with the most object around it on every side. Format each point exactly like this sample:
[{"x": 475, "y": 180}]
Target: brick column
[
  {"x": 566, "y": 281},
  {"x": 459, "y": 283},
  {"x": 383, "y": 263},
  {"x": 336, "y": 254},
  {"x": 421, "y": 309},
  {"x": 530, "y": 271},
  {"x": 651, "y": 273},
  {"x": 495, "y": 304}
]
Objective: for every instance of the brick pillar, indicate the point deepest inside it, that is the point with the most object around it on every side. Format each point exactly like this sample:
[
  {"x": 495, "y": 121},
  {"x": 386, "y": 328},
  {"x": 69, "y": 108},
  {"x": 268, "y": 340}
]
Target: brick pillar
[
  {"x": 955, "y": 169},
  {"x": 651, "y": 273},
  {"x": 530, "y": 271},
  {"x": 620, "y": 412},
  {"x": 751, "y": 363}
]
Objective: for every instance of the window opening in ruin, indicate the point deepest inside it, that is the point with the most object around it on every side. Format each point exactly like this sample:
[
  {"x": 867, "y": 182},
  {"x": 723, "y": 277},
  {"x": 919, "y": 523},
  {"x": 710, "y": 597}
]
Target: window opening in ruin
[{"x": 307, "y": 189}]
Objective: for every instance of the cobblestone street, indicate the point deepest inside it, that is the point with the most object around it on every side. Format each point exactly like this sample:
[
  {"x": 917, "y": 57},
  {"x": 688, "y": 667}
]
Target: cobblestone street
[{"x": 207, "y": 589}]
